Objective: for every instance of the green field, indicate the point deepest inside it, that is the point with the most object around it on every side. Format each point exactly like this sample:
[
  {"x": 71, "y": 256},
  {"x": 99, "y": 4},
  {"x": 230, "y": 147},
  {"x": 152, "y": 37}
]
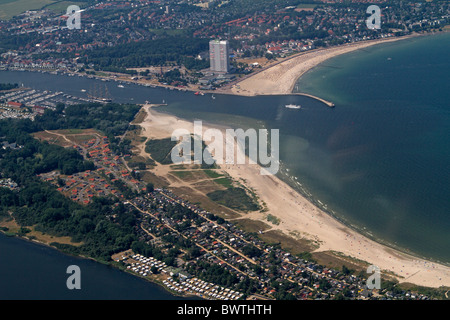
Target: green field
[
  {"x": 307, "y": 6},
  {"x": 226, "y": 182},
  {"x": 213, "y": 174},
  {"x": 234, "y": 198},
  {"x": 10, "y": 8},
  {"x": 61, "y": 6}
]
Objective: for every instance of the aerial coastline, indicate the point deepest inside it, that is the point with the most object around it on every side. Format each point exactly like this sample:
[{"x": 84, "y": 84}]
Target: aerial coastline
[
  {"x": 111, "y": 113},
  {"x": 281, "y": 78},
  {"x": 297, "y": 214}
]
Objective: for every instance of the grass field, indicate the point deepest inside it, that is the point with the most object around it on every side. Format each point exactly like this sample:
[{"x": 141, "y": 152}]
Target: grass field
[
  {"x": 234, "y": 198},
  {"x": 213, "y": 174},
  {"x": 10, "y": 8},
  {"x": 76, "y": 136},
  {"x": 226, "y": 182},
  {"x": 295, "y": 246},
  {"x": 307, "y": 6},
  {"x": 61, "y": 6}
]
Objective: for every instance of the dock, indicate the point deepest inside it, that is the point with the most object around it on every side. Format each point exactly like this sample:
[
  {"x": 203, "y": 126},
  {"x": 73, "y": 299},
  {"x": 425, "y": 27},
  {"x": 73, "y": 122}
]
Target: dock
[{"x": 328, "y": 103}]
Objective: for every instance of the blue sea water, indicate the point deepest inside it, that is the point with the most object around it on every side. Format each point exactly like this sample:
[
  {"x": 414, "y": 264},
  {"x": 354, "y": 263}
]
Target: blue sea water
[
  {"x": 378, "y": 161},
  {"x": 387, "y": 146}
]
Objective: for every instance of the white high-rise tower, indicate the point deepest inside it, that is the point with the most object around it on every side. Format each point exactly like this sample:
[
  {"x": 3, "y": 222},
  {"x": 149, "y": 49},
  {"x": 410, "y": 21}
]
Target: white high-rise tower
[{"x": 219, "y": 55}]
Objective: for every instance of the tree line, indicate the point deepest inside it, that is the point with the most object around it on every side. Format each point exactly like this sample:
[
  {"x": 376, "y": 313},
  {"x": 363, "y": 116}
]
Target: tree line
[{"x": 181, "y": 50}]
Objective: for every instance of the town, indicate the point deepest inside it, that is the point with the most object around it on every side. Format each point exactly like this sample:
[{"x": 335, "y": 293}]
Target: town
[
  {"x": 258, "y": 35},
  {"x": 188, "y": 45}
]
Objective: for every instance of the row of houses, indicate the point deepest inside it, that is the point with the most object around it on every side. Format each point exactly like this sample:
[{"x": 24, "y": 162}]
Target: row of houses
[{"x": 226, "y": 245}]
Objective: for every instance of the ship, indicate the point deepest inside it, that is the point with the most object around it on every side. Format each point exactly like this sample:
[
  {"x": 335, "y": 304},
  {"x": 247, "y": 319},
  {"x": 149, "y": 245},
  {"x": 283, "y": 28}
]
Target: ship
[
  {"x": 293, "y": 106},
  {"x": 99, "y": 94}
]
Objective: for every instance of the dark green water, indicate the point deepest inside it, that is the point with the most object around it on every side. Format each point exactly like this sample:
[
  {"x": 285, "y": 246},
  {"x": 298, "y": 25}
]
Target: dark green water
[
  {"x": 32, "y": 271},
  {"x": 379, "y": 161}
]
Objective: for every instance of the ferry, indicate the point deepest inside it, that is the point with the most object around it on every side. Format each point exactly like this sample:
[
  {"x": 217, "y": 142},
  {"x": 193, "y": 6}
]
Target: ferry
[{"x": 293, "y": 106}]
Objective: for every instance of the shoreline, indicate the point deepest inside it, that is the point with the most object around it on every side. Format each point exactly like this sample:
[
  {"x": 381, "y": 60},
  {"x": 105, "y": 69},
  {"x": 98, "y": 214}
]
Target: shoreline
[
  {"x": 364, "y": 231},
  {"x": 112, "y": 263},
  {"x": 281, "y": 78},
  {"x": 284, "y": 226},
  {"x": 299, "y": 215}
]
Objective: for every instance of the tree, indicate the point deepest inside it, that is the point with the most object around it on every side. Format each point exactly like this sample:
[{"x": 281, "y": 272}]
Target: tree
[
  {"x": 150, "y": 187},
  {"x": 346, "y": 271}
]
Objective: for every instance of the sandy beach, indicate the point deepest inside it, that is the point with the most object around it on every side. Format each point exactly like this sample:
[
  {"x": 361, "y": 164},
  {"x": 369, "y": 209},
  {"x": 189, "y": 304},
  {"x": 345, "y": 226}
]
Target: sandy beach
[
  {"x": 281, "y": 78},
  {"x": 298, "y": 215}
]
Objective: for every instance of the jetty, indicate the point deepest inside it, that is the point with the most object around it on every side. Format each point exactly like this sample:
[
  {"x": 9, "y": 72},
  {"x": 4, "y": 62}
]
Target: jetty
[{"x": 328, "y": 103}]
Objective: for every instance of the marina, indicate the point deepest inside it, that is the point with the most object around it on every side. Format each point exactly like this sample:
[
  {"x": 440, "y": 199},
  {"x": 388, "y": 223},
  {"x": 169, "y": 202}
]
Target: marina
[{"x": 46, "y": 99}]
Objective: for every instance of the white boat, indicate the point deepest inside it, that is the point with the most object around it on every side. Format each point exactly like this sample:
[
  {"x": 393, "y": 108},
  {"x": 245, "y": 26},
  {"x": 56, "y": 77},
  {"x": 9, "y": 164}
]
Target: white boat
[
  {"x": 293, "y": 106},
  {"x": 83, "y": 90},
  {"x": 121, "y": 86}
]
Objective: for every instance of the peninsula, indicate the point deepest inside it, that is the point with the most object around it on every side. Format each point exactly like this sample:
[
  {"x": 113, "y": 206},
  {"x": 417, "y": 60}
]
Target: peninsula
[{"x": 299, "y": 217}]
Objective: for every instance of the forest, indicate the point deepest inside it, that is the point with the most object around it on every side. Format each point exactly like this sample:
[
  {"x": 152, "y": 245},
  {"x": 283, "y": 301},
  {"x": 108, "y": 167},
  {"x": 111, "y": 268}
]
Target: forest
[
  {"x": 112, "y": 119},
  {"x": 8, "y": 86},
  {"x": 178, "y": 50}
]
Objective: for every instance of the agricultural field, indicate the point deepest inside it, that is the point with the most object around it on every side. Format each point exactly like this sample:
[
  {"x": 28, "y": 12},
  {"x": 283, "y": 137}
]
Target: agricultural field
[
  {"x": 61, "y": 6},
  {"x": 10, "y": 8}
]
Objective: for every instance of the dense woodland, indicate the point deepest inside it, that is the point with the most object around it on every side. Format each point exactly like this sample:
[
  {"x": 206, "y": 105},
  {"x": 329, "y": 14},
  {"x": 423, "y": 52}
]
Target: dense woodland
[
  {"x": 8, "y": 86},
  {"x": 178, "y": 50}
]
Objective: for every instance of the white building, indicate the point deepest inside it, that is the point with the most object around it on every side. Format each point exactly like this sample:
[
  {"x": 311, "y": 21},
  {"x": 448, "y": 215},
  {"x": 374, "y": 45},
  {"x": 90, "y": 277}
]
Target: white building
[{"x": 219, "y": 56}]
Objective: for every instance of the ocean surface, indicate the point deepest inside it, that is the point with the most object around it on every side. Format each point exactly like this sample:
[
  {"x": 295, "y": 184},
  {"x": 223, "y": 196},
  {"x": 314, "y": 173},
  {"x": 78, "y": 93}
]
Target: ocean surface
[
  {"x": 378, "y": 161},
  {"x": 386, "y": 163}
]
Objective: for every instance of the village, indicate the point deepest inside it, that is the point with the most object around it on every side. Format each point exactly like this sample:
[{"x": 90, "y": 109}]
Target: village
[
  {"x": 257, "y": 35},
  {"x": 175, "y": 279},
  {"x": 105, "y": 180},
  {"x": 204, "y": 240}
]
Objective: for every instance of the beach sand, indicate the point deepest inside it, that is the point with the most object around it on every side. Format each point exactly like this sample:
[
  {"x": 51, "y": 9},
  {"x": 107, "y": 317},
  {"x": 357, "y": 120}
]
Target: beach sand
[
  {"x": 298, "y": 215},
  {"x": 281, "y": 78}
]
